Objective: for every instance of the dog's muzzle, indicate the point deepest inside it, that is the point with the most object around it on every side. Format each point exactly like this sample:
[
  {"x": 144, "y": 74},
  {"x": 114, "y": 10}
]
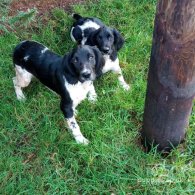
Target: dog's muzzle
[
  {"x": 106, "y": 50},
  {"x": 86, "y": 76}
]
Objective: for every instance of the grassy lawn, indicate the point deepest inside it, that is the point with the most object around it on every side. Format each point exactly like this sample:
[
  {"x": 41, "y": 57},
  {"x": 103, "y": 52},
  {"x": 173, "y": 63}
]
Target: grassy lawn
[{"x": 39, "y": 156}]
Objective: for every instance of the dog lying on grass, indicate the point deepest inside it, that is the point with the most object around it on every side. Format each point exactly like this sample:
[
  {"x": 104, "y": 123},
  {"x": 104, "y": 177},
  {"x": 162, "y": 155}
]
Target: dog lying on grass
[
  {"x": 70, "y": 76},
  {"x": 91, "y": 31}
]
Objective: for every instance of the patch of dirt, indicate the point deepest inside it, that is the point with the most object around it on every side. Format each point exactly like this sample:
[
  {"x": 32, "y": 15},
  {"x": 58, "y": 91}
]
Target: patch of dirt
[{"x": 42, "y": 6}]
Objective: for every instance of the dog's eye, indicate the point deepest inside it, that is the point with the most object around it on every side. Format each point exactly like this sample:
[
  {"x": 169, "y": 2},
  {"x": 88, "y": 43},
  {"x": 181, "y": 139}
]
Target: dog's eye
[
  {"x": 100, "y": 38},
  {"x": 109, "y": 37},
  {"x": 91, "y": 57},
  {"x": 75, "y": 60}
]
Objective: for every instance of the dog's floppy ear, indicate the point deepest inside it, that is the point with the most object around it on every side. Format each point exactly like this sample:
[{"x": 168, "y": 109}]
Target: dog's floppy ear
[
  {"x": 118, "y": 40},
  {"x": 69, "y": 69},
  {"x": 99, "y": 61},
  {"x": 77, "y": 34}
]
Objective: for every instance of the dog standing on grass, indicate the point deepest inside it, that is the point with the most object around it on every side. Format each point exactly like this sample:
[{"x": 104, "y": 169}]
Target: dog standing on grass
[
  {"x": 91, "y": 31},
  {"x": 70, "y": 76}
]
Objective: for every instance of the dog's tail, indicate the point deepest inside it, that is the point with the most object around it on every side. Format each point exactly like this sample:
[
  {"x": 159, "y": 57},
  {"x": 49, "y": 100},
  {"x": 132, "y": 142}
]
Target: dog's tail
[{"x": 76, "y": 16}]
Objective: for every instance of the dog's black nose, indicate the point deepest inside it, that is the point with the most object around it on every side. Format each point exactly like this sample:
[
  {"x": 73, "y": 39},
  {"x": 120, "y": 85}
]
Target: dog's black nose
[
  {"x": 106, "y": 49},
  {"x": 86, "y": 75}
]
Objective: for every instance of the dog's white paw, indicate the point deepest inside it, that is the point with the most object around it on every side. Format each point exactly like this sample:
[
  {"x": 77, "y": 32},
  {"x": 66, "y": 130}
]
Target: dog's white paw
[
  {"x": 126, "y": 87},
  {"x": 80, "y": 139},
  {"x": 21, "y": 97}
]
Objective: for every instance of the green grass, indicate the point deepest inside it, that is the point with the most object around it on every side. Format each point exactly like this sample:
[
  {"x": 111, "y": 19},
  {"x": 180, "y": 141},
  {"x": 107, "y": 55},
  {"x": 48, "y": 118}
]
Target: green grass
[{"x": 39, "y": 156}]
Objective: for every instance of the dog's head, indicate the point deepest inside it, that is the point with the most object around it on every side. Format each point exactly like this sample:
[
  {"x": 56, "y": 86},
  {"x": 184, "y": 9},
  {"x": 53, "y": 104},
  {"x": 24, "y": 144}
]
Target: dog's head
[
  {"x": 107, "y": 40},
  {"x": 85, "y": 63}
]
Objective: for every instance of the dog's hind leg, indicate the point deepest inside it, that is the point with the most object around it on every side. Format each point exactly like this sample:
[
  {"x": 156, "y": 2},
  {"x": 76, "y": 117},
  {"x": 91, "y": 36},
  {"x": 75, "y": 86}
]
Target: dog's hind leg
[{"x": 21, "y": 80}]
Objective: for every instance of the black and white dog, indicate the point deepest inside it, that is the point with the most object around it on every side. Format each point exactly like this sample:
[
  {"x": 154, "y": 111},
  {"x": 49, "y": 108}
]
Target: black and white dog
[
  {"x": 91, "y": 31},
  {"x": 70, "y": 76}
]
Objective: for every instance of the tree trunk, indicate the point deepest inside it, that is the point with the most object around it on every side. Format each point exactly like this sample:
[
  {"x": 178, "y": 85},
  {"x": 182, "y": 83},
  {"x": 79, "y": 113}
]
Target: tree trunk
[{"x": 171, "y": 78}]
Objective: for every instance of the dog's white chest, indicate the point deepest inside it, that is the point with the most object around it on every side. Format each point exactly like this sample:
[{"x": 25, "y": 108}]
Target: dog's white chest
[
  {"x": 110, "y": 65},
  {"x": 79, "y": 91}
]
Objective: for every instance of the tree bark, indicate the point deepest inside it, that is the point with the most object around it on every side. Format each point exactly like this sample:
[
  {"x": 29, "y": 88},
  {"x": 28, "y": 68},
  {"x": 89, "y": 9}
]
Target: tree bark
[{"x": 171, "y": 78}]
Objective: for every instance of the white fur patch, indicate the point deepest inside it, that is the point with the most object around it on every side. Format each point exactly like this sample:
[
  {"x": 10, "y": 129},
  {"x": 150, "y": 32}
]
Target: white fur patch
[
  {"x": 75, "y": 130},
  {"x": 22, "y": 79},
  {"x": 23, "y": 41},
  {"x": 83, "y": 41},
  {"x": 111, "y": 65},
  {"x": 79, "y": 91},
  {"x": 23, "y": 76},
  {"x": 72, "y": 37},
  {"x": 44, "y": 50},
  {"x": 26, "y": 58},
  {"x": 92, "y": 96},
  {"x": 114, "y": 67},
  {"x": 19, "y": 94},
  {"x": 86, "y": 25},
  {"x": 89, "y": 24}
]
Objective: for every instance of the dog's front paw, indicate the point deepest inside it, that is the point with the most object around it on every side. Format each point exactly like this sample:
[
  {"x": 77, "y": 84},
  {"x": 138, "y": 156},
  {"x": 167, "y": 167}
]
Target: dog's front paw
[
  {"x": 80, "y": 139},
  {"x": 126, "y": 87},
  {"x": 21, "y": 97}
]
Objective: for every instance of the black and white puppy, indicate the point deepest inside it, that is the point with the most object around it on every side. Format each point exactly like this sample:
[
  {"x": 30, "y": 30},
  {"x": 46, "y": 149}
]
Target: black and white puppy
[
  {"x": 91, "y": 31},
  {"x": 70, "y": 76}
]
